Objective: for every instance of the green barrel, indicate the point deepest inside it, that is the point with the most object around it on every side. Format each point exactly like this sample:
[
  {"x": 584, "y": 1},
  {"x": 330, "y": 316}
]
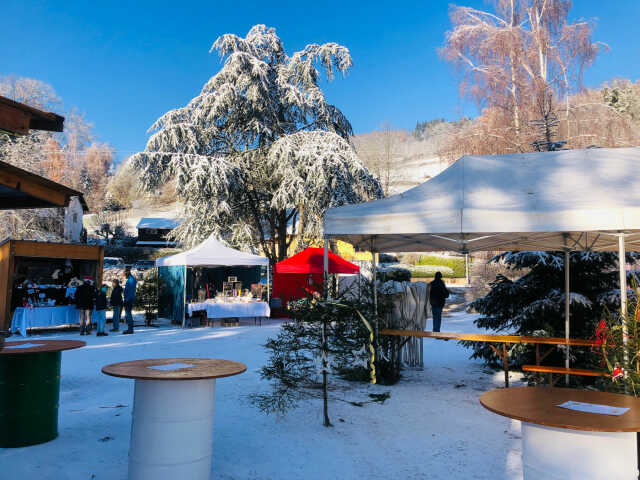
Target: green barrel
[{"x": 29, "y": 398}]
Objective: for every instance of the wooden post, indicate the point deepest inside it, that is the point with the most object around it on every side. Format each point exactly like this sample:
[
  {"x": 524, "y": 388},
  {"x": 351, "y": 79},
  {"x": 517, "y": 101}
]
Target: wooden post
[{"x": 505, "y": 364}]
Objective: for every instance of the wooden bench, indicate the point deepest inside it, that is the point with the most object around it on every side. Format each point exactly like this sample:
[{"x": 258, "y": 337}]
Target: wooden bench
[
  {"x": 551, "y": 371},
  {"x": 493, "y": 339}
]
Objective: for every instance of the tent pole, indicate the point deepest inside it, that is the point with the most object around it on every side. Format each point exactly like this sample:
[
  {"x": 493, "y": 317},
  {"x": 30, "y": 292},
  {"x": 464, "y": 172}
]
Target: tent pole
[
  {"x": 268, "y": 286},
  {"x": 325, "y": 268},
  {"x": 466, "y": 267},
  {"x": 374, "y": 276},
  {"x": 622, "y": 263},
  {"x": 184, "y": 299},
  {"x": 567, "y": 308}
]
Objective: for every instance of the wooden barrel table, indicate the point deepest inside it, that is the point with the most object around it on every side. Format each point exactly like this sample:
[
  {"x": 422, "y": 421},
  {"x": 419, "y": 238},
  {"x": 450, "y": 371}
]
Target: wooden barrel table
[
  {"x": 562, "y": 443},
  {"x": 172, "y": 421},
  {"x": 30, "y": 390}
]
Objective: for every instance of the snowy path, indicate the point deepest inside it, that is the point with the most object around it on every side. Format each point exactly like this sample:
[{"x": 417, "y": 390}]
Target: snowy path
[{"x": 432, "y": 426}]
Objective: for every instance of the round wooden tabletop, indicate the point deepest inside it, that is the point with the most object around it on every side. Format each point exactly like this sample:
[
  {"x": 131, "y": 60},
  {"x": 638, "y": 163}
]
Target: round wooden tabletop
[
  {"x": 39, "y": 346},
  {"x": 175, "y": 369},
  {"x": 539, "y": 405}
]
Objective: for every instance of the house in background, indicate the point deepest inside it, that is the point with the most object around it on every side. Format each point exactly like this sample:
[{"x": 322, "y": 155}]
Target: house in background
[{"x": 154, "y": 232}]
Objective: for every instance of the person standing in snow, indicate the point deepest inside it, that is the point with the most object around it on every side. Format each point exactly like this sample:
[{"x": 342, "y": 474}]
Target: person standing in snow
[
  {"x": 84, "y": 297},
  {"x": 116, "y": 303},
  {"x": 101, "y": 310},
  {"x": 129, "y": 299},
  {"x": 438, "y": 293}
]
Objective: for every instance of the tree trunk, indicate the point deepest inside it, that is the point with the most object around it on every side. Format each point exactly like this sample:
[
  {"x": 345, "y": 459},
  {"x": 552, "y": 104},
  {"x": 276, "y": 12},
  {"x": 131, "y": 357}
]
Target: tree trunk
[{"x": 325, "y": 398}]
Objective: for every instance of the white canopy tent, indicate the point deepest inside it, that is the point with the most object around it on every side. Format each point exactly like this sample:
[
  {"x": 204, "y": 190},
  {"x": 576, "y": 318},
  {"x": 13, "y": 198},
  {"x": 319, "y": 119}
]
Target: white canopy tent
[
  {"x": 565, "y": 200},
  {"x": 212, "y": 253}
]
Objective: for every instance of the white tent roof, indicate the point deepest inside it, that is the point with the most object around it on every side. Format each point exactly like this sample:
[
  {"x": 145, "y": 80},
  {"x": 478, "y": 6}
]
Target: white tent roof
[
  {"x": 534, "y": 201},
  {"x": 212, "y": 253}
]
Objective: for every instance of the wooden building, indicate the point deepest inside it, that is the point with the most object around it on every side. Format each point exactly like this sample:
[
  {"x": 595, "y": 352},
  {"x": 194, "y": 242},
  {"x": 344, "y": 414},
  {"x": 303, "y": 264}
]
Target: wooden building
[
  {"x": 25, "y": 257},
  {"x": 154, "y": 232}
]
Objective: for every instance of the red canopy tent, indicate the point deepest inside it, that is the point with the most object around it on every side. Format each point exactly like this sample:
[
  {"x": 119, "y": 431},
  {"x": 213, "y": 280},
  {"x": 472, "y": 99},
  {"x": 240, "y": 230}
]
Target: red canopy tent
[{"x": 295, "y": 276}]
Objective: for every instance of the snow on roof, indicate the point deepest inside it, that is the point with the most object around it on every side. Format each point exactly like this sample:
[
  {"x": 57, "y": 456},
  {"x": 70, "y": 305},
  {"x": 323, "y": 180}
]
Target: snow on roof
[
  {"x": 156, "y": 242},
  {"x": 156, "y": 222}
]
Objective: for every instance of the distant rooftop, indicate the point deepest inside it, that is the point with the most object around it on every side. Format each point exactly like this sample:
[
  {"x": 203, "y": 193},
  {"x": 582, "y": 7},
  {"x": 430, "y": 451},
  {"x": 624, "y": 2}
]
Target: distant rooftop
[{"x": 159, "y": 223}]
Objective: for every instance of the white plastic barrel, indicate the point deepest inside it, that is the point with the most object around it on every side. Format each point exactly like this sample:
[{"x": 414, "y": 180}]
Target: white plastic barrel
[
  {"x": 558, "y": 453},
  {"x": 172, "y": 430}
]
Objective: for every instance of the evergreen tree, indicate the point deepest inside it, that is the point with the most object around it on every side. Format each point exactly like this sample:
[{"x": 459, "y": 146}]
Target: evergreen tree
[
  {"x": 259, "y": 150},
  {"x": 324, "y": 338},
  {"x": 534, "y": 303}
]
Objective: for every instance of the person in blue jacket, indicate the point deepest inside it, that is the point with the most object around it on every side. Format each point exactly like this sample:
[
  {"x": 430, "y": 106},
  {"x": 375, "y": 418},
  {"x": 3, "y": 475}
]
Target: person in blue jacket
[{"x": 129, "y": 299}]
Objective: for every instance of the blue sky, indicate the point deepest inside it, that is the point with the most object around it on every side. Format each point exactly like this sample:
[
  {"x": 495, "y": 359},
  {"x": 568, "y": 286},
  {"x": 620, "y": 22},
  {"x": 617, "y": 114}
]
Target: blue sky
[{"x": 126, "y": 63}]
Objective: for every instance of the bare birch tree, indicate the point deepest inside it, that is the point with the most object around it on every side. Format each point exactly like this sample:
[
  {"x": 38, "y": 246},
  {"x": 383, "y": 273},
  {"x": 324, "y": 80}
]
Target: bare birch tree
[{"x": 510, "y": 55}]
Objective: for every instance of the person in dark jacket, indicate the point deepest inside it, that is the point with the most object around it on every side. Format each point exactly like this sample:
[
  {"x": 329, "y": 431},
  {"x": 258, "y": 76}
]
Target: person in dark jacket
[
  {"x": 438, "y": 293},
  {"x": 101, "y": 310},
  {"x": 129, "y": 299},
  {"x": 84, "y": 297},
  {"x": 116, "y": 303}
]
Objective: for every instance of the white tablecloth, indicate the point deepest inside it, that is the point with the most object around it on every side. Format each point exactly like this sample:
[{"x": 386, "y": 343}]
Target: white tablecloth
[
  {"x": 24, "y": 318},
  {"x": 231, "y": 310}
]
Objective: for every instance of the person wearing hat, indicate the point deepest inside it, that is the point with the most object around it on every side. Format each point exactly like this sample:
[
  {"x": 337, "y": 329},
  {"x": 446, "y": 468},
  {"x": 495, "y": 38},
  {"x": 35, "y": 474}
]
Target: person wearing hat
[
  {"x": 438, "y": 293},
  {"x": 129, "y": 299},
  {"x": 85, "y": 297}
]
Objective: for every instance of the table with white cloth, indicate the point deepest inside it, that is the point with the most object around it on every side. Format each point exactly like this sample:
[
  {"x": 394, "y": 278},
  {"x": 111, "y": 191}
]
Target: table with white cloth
[
  {"x": 255, "y": 309},
  {"x": 27, "y": 317}
]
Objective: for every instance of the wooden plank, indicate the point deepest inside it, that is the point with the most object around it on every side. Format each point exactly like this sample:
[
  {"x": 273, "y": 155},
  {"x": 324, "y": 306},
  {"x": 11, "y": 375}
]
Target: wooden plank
[
  {"x": 5, "y": 286},
  {"x": 30, "y": 185},
  {"x": 26, "y": 248},
  {"x": 37, "y": 119},
  {"x": 539, "y": 405},
  {"x": 479, "y": 337},
  {"x": 196, "y": 369},
  {"x": 575, "y": 342},
  {"x": 14, "y": 120},
  {"x": 100, "y": 266},
  {"x": 473, "y": 337},
  {"x": 41, "y": 346},
  {"x": 564, "y": 370}
]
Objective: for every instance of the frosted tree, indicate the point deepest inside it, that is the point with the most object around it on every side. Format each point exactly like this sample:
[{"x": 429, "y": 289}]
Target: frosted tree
[
  {"x": 533, "y": 304},
  {"x": 259, "y": 153}
]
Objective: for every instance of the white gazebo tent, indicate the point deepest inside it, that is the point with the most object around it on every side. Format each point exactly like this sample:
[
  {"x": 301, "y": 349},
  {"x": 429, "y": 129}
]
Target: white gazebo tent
[
  {"x": 563, "y": 201},
  {"x": 212, "y": 253}
]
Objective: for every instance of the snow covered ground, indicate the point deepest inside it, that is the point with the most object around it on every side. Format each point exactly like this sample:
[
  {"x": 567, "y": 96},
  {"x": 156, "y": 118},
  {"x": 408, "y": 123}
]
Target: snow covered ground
[{"x": 431, "y": 427}]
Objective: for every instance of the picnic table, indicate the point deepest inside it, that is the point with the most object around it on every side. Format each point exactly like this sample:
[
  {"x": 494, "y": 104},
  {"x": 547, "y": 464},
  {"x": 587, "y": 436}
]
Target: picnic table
[
  {"x": 501, "y": 350},
  {"x": 563, "y": 443},
  {"x": 173, "y": 406}
]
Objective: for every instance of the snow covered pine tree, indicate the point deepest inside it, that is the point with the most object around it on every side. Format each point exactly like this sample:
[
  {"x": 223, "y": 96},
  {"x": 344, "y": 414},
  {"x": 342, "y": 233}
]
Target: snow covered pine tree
[
  {"x": 534, "y": 303},
  {"x": 259, "y": 150}
]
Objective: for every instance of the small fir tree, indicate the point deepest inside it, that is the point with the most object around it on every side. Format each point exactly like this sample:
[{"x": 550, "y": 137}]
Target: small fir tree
[
  {"x": 534, "y": 303},
  {"x": 324, "y": 338}
]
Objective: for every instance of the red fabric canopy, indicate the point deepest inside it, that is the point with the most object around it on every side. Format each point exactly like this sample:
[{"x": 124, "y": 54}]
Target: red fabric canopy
[
  {"x": 298, "y": 276},
  {"x": 311, "y": 260}
]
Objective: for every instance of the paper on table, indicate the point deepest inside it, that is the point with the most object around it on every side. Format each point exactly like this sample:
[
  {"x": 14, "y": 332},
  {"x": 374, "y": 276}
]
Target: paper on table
[
  {"x": 594, "y": 408},
  {"x": 172, "y": 366},
  {"x": 24, "y": 345}
]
